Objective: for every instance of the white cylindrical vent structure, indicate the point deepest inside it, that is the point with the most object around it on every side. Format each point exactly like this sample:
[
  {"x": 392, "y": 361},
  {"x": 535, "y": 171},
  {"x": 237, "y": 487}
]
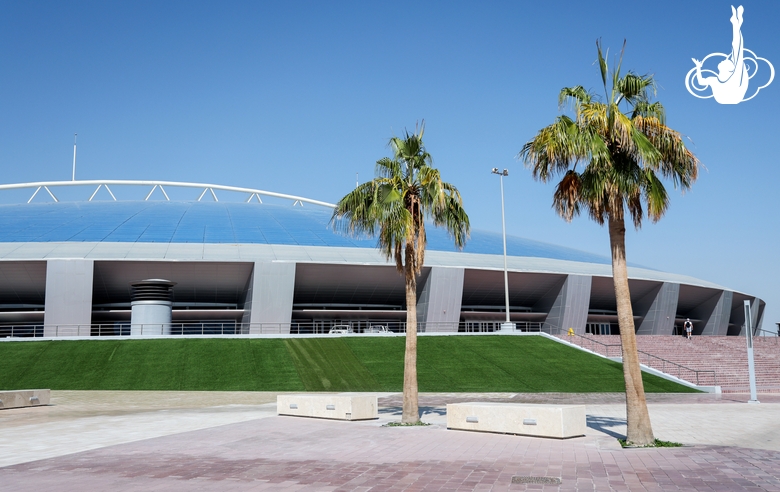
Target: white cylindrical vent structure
[{"x": 151, "y": 302}]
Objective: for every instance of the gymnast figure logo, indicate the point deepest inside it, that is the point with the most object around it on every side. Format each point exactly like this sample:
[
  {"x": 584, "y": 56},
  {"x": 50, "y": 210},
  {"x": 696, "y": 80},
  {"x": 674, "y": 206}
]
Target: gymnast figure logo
[{"x": 729, "y": 85}]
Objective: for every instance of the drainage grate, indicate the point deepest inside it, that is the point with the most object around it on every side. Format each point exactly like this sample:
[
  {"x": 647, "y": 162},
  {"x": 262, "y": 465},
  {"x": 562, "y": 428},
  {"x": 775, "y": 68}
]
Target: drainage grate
[{"x": 537, "y": 480}]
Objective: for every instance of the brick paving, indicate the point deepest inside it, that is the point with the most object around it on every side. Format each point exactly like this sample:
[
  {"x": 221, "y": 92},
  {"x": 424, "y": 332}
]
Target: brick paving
[
  {"x": 234, "y": 441},
  {"x": 288, "y": 453}
]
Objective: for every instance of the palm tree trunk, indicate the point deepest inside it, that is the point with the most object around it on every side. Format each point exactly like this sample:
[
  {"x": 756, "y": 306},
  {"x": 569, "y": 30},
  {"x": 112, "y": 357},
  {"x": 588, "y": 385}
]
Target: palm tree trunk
[
  {"x": 639, "y": 431},
  {"x": 410, "y": 410}
]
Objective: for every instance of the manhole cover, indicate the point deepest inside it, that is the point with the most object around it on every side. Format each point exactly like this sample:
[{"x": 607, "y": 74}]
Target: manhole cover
[{"x": 537, "y": 480}]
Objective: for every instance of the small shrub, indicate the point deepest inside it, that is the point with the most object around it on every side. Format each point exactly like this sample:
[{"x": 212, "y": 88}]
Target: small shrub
[
  {"x": 657, "y": 444},
  {"x": 419, "y": 423}
]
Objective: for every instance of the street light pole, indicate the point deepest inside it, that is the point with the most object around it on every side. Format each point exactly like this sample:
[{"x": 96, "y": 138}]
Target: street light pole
[
  {"x": 508, "y": 325},
  {"x": 751, "y": 363}
]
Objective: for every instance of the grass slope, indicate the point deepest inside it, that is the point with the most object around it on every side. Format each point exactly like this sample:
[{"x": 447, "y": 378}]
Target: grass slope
[
  {"x": 168, "y": 364},
  {"x": 497, "y": 363},
  {"x": 445, "y": 364},
  {"x": 329, "y": 365}
]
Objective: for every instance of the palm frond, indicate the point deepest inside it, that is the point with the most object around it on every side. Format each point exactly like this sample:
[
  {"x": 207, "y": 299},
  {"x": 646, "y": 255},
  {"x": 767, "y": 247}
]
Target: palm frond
[
  {"x": 393, "y": 207},
  {"x": 389, "y": 168},
  {"x": 635, "y": 209},
  {"x": 634, "y": 88},
  {"x": 554, "y": 149},
  {"x": 656, "y": 196},
  {"x": 566, "y": 199},
  {"x": 621, "y": 131},
  {"x": 643, "y": 149},
  {"x": 647, "y": 109},
  {"x": 594, "y": 115},
  {"x": 575, "y": 95},
  {"x": 602, "y": 64},
  {"x": 452, "y": 217},
  {"x": 676, "y": 161},
  {"x": 354, "y": 214},
  {"x": 616, "y": 73}
]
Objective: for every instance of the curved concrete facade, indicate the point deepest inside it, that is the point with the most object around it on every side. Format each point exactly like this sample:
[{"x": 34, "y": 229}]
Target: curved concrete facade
[{"x": 65, "y": 270}]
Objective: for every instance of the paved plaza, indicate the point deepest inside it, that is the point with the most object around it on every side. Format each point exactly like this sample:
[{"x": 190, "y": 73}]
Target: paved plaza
[{"x": 216, "y": 441}]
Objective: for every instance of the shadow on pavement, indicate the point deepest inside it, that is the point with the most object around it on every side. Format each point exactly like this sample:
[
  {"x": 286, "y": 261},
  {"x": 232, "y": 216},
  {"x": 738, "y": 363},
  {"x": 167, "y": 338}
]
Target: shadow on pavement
[
  {"x": 424, "y": 410},
  {"x": 603, "y": 424}
]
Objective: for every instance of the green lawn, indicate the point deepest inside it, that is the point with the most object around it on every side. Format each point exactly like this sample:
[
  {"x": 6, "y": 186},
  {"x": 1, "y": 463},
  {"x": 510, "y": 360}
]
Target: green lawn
[{"x": 445, "y": 364}]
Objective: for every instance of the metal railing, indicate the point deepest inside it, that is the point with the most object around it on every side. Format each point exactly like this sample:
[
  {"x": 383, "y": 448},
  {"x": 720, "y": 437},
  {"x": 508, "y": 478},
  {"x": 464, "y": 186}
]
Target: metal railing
[
  {"x": 766, "y": 336},
  {"x": 700, "y": 377},
  {"x": 233, "y": 328},
  {"x": 605, "y": 349},
  {"x": 21, "y": 331}
]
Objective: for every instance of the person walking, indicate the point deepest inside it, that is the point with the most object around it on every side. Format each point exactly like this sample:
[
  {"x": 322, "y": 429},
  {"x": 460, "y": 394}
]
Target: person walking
[{"x": 688, "y": 328}]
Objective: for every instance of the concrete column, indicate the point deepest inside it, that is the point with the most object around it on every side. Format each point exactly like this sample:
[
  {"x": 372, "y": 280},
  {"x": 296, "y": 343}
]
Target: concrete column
[
  {"x": 269, "y": 300},
  {"x": 440, "y": 300},
  {"x": 569, "y": 306},
  {"x": 738, "y": 316},
  {"x": 247, "y": 303},
  {"x": 68, "y": 298},
  {"x": 757, "y": 308},
  {"x": 714, "y": 315},
  {"x": 658, "y": 310}
]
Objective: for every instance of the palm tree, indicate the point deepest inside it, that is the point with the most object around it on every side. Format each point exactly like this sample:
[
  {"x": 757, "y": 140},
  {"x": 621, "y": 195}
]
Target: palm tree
[
  {"x": 393, "y": 207},
  {"x": 611, "y": 162}
]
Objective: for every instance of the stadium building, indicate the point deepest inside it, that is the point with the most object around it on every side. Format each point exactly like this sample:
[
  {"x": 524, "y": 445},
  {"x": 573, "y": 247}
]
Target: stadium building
[{"x": 116, "y": 267}]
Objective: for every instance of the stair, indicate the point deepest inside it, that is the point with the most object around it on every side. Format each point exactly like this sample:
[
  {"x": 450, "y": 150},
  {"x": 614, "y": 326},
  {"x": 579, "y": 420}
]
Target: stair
[{"x": 727, "y": 356}]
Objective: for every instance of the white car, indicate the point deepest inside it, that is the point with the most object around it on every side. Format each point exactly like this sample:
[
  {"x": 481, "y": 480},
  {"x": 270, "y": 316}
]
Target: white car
[
  {"x": 340, "y": 330},
  {"x": 380, "y": 329}
]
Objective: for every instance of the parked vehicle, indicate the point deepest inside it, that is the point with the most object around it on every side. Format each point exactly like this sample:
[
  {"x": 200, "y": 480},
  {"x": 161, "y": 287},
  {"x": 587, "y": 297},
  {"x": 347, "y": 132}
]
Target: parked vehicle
[
  {"x": 340, "y": 330},
  {"x": 380, "y": 329}
]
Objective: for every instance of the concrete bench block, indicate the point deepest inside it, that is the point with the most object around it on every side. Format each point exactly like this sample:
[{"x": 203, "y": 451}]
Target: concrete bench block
[
  {"x": 342, "y": 406},
  {"x": 557, "y": 421},
  {"x": 24, "y": 398}
]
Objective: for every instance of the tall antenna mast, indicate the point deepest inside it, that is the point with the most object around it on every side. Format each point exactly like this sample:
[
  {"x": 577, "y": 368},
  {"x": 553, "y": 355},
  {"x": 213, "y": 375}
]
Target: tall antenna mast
[
  {"x": 357, "y": 180},
  {"x": 74, "y": 157}
]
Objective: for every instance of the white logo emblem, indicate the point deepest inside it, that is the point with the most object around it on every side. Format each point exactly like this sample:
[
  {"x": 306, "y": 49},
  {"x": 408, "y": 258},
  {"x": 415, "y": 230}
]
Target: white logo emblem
[{"x": 729, "y": 84}]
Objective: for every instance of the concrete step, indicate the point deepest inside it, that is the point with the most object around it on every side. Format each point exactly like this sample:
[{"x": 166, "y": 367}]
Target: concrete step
[{"x": 726, "y": 356}]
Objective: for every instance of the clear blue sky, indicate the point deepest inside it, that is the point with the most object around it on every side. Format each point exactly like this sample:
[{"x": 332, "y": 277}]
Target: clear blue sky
[{"x": 296, "y": 97}]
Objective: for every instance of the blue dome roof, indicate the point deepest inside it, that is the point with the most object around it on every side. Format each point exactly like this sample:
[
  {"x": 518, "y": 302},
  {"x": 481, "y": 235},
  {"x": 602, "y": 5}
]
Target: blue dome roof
[{"x": 226, "y": 222}]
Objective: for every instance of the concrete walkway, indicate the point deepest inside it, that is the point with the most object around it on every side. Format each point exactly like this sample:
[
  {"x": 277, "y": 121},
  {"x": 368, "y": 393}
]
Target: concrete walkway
[{"x": 231, "y": 441}]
